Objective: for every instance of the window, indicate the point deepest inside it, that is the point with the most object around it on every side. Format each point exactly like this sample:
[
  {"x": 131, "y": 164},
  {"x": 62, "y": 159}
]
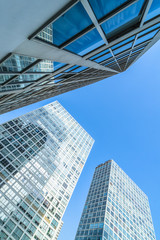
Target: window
[
  {"x": 123, "y": 48},
  {"x": 123, "y": 20},
  {"x": 16, "y": 63},
  {"x": 50, "y": 232},
  {"x": 10, "y": 226},
  {"x": 4, "y": 235},
  {"x": 17, "y": 233},
  {"x": 86, "y": 43},
  {"x": 24, "y": 223},
  {"x": 31, "y": 229},
  {"x": 37, "y": 220},
  {"x": 25, "y": 237},
  {"x": 54, "y": 223},
  {"x": 154, "y": 10},
  {"x": 101, "y": 8},
  {"x": 105, "y": 57},
  {"x": 68, "y": 25},
  {"x": 79, "y": 69},
  {"x": 146, "y": 37}
]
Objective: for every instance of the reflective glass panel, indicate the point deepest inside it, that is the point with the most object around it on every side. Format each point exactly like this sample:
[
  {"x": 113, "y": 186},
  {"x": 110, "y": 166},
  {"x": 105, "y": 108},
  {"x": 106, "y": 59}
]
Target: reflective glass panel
[
  {"x": 99, "y": 54},
  {"x": 123, "y": 48},
  {"x": 123, "y": 56},
  {"x": 71, "y": 68},
  {"x": 149, "y": 29},
  {"x": 43, "y": 66},
  {"x": 79, "y": 69},
  {"x": 109, "y": 62},
  {"x": 57, "y": 65},
  {"x": 16, "y": 63},
  {"x": 106, "y": 56},
  {"x": 146, "y": 37},
  {"x": 46, "y": 66},
  {"x": 68, "y": 25},
  {"x": 103, "y": 7},
  {"x": 4, "y": 78},
  {"x": 58, "y": 75},
  {"x": 123, "y": 42},
  {"x": 56, "y": 80},
  {"x": 124, "y": 19},
  {"x": 86, "y": 43},
  {"x": 154, "y": 10},
  {"x": 138, "y": 49},
  {"x": 13, "y": 87},
  {"x": 27, "y": 78},
  {"x": 47, "y": 34}
]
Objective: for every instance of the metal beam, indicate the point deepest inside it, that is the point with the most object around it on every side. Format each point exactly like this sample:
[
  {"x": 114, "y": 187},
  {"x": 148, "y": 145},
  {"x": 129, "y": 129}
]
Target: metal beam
[
  {"x": 145, "y": 11},
  {"x": 124, "y": 37},
  {"x": 5, "y": 58},
  {"x": 105, "y": 18},
  {"x": 94, "y": 19},
  {"x": 39, "y": 49}
]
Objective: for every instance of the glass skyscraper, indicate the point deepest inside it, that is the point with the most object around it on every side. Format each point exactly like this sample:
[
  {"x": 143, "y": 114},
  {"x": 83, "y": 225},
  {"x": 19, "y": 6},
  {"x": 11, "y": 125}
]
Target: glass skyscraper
[
  {"x": 68, "y": 44},
  {"x": 115, "y": 209},
  {"x": 42, "y": 154}
]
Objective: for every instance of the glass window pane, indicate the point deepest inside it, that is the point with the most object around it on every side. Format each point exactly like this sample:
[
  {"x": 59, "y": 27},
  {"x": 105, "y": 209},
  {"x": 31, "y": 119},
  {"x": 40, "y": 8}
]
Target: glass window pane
[
  {"x": 71, "y": 68},
  {"x": 79, "y": 69},
  {"x": 149, "y": 29},
  {"x": 102, "y": 8},
  {"x": 25, "y": 237},
  {"x": 16, "y": 63},
  {"x": 17, "y": 233},
  {"x": 123, "y": 42},
  {"x": 13, "y": 87},
  {"x": 68, "y": 25},
  {"x": 27, "y": 78},
  {"x": 10, "y": 226},
  {"x": 106, "y": 56},
  {"x": 46, "y": 66},
  {"x": 110, "y": 62},
  {"x": 123, "y": 48},
  {"x": 123, "y": 56},
  {"x": 4, "y": 235},
  {"x": 154, "y": 10},
  {"x": 99, "y": 54},
  {"x": 58, "y": 75},
  {"x": 46, "y": 34},
  {"x": 146, "y": 37},
  {"x": 4, "y": 78},
  {"x": 123, "y": 20},
  {"x": 86, "y": 43},
  {"x": 57, "y": 65},
  {"x": 43, "y": 66},
  {"x": 138, "y": 49}
]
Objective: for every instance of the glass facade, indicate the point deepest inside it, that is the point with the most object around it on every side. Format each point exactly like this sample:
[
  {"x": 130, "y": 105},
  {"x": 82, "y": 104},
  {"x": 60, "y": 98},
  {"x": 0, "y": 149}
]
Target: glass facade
[
  {"x": 42, "y": 155},
  {"x": 116, "y": 208},
  {"x": 96, "y": 35}
]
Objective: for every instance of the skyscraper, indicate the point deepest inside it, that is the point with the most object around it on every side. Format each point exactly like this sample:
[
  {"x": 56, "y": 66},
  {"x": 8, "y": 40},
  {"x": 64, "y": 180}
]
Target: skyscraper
[
  {"x": 42, "y": 154},
  {"x": 116, "y": 208},
  {"x": 63, "y": 45}
]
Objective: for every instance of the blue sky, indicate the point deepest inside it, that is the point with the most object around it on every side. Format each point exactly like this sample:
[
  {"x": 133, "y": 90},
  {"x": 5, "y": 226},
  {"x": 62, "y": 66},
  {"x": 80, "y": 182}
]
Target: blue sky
[{"x": 122, "y": 114}]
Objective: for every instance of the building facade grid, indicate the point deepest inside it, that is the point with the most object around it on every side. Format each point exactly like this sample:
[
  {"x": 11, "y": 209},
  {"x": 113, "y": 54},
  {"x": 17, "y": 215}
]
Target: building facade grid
[
  {"x": 110, "y": 38},
  {"x": 42, "y": 155},
  {"x": 116, "y": 208}
]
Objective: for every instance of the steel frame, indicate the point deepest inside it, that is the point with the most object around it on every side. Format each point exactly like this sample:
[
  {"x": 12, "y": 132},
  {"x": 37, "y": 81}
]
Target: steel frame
[{"x": 67, "y": 83}]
